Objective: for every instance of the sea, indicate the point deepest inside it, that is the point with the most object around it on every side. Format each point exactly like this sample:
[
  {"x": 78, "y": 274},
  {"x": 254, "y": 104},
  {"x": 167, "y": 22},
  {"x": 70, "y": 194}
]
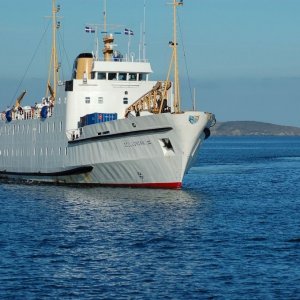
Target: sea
[{"x": 232, "y": 232}]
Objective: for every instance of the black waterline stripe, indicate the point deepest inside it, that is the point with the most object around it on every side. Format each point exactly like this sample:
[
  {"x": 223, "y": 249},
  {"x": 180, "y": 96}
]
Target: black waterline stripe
[{"x": 75, "y": 171}]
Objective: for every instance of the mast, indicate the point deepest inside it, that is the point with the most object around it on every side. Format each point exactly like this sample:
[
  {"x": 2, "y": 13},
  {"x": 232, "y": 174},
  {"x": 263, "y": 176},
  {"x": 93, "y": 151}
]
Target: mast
[
  {"x": 53, "y": 67},
  {"x": 104, "y": 17},
  {"x": 177, "y": 108},
  {"x": 108, "y": 39}
]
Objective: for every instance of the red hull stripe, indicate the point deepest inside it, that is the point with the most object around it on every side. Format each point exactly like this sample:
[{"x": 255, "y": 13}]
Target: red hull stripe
[{"x": 154, "y": 185}]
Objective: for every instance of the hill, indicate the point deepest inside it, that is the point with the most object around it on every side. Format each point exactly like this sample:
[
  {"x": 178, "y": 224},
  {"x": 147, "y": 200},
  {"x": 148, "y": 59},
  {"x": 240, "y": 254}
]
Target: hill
[{"x": 244, "y": 128}]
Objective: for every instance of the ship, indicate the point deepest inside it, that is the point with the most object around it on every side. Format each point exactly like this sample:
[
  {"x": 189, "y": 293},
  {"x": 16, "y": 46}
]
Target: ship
[{"x": 109, "y": 125}]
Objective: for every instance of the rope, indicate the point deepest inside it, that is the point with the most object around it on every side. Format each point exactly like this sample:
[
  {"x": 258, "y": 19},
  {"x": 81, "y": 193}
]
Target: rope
[
  {"x": 185, "y": 62},
  {"x": 62, "y": 45}
]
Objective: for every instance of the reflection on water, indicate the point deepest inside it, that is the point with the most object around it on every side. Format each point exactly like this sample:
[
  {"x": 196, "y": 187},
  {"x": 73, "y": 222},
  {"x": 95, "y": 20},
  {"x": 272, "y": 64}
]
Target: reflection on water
[
  {"x": 71, "y": 207},
  {"x": 95, "y": 240},
  {"x": 121, "y": 195}
]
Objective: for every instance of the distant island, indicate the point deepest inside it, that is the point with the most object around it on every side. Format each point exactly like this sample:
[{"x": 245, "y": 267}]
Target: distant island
[{"x": 252, "y": 128}]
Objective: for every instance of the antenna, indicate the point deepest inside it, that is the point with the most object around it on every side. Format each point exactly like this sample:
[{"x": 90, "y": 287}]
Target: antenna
[
  {"x": 144, "y": 32},
  {"x": 141, "y": 41},
  {"x": 194, "y": 100}
]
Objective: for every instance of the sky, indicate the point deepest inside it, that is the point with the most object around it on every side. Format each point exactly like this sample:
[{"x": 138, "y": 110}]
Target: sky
[{"x": 241, "y": 57}]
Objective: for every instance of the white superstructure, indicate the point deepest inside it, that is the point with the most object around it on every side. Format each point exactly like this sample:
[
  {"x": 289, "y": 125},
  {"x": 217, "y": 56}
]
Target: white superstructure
[{"x": 108, "y": 125}]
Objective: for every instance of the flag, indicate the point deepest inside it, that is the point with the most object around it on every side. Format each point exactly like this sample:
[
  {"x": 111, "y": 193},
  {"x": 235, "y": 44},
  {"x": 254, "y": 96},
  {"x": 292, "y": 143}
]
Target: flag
[
  {"x": 89, "y": 29},
  {"x": 128, "y": 31}
]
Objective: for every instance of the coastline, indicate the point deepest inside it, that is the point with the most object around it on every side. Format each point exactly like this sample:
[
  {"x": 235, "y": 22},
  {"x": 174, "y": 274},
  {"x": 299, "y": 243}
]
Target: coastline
[{"x": 253, "y": 128}]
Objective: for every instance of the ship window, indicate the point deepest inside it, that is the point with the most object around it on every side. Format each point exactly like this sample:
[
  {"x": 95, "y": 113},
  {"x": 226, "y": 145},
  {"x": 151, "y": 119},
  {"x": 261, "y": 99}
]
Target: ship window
[
  {"x": 100, "y": 100},
  {"x": 87, "y": 100},
  {"x": 101, "y": 76},
  {"x": 59, "y": 151},
  {"x": 112, "y": 76},
  {"x": 125, "y": 100},
  {"x": 132, "y": 76},
  {"x": 92, "y": 75},
  {"x": 122, "y": 76},
  {"x": 60, "y": 126},
  {"x": 142, "y": 76},
  {"x": 126, "y": 93}
]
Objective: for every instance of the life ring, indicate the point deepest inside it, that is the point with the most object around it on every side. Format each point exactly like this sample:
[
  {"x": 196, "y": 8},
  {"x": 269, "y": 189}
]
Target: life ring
[
  {"x": 8, "y": 115},
  {"x": 44, "y": 112}
]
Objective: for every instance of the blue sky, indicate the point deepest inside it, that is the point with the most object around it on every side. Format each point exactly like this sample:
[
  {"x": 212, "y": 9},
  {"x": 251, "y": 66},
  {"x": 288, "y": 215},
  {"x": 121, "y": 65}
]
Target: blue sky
[{"x": 242, "y": 56}]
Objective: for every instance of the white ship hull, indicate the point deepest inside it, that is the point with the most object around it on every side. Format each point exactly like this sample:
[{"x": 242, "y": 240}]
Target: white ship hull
[{"x": 149, "y": 151}]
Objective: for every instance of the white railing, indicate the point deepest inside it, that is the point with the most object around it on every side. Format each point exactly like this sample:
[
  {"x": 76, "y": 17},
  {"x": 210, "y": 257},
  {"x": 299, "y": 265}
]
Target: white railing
[{"x": 27, "y": 113}]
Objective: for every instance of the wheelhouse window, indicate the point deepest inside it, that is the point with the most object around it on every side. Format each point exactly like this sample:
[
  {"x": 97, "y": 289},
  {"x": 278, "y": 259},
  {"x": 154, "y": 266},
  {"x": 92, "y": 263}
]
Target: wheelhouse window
[
  {"x": 112, "y": 76},
  {"x": 101, "y": 76},
  {"x": 132, "y": 76},
  {"x": 142, "y": 76},
  {"x": 122, "y": 76}
]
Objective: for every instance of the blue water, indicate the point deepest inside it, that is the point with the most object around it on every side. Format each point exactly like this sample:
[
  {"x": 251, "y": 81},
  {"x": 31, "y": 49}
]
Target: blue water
[{"x": 233, "y": 232}]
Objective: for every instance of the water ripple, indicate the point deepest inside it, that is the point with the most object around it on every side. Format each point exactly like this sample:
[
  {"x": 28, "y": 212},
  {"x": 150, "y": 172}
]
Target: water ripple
[{"x": 232, "y": 233}]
